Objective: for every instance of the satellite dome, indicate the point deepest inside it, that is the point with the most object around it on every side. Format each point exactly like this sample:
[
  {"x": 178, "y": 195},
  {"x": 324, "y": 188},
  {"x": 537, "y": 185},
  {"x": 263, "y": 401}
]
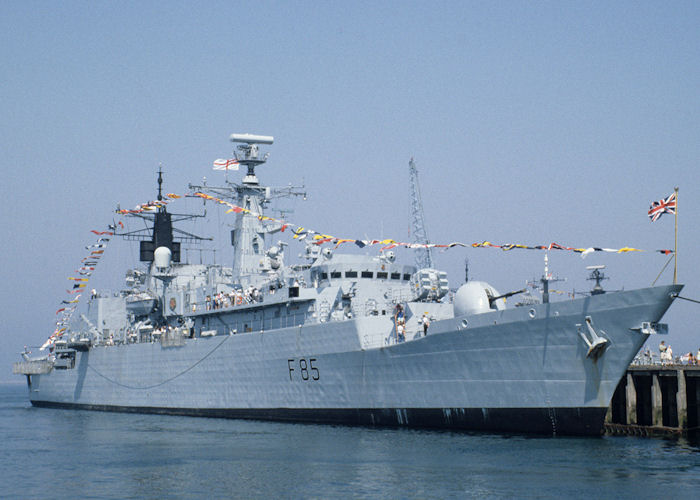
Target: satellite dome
[{"x": 162, "y": 257}]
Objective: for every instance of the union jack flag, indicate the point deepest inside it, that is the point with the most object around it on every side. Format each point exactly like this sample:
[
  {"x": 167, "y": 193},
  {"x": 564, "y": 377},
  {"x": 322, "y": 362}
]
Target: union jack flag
[{"x": 663, "y": 206}]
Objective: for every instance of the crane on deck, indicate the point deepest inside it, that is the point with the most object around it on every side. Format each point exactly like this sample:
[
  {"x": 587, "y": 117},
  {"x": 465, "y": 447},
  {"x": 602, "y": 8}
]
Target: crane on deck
[{"x": 424, "y": 258}]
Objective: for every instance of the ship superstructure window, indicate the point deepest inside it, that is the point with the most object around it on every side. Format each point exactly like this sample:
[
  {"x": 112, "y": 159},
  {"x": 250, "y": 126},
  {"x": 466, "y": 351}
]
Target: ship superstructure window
[
  {"x": 382, "y": 276},
  {"x": 407, "y": 277},
  {"x": 351, "y": 274},
  {"x": 336, "y": 274},
  {"x": 367, "y": 274},
  {"x": 324, "y": 276},
  {"x": 395, "y": 276}
]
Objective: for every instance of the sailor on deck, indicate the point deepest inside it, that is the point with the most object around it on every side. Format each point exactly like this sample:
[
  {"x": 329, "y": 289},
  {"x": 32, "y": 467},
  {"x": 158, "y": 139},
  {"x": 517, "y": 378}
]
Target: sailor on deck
[{"x": 400, "y": 332}]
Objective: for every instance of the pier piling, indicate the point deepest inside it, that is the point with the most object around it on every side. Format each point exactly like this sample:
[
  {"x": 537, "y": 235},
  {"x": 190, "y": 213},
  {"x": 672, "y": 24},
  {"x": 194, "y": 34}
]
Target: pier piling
[{"x": 656, "y": 400}]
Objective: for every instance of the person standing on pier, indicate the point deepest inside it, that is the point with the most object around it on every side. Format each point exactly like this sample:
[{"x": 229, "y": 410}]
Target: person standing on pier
[{"x": 665, "y": 353}]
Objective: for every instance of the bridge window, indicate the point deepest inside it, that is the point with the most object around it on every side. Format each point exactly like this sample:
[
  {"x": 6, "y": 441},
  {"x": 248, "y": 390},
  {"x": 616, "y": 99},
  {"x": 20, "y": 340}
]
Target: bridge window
[
  {"x": 335, "y": 274},
  {"x": 367, "y": 274},
  {"x": 351, "y": 274},
  {"x": 395, "y": 276},
  {"x": 382, "y": 276},
  {"x": 407, "y": 277}
]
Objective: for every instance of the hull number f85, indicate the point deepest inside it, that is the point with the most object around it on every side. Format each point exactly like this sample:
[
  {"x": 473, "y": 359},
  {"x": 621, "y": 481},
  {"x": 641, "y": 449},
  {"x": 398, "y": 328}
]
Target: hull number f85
[{"x": 301, "y": 368}]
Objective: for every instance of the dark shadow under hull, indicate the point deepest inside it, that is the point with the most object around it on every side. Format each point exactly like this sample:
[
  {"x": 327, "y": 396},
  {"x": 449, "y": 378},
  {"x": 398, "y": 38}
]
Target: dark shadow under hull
[{"x": 547, "y": 421}]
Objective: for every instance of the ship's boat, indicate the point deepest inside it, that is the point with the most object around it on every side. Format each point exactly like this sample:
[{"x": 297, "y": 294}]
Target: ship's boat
[{"x": 344, "y": 338}]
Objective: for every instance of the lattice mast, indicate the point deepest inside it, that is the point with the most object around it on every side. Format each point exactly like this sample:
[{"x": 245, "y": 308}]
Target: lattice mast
[{"x": 424, "y": 259}]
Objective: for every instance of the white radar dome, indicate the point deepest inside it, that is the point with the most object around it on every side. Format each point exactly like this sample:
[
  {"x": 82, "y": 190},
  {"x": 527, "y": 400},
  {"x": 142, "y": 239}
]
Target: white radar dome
[
  {"x": 473, "y": 298},
  {"x": 162, "y": 257}
]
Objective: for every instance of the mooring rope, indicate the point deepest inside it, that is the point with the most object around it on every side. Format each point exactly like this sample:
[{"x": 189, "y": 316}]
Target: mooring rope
[{"x": 686, "y": 298}]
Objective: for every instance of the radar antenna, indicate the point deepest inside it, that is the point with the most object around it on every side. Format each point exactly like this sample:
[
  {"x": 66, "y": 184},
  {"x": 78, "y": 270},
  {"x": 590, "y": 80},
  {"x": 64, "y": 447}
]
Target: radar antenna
[
  {"x": 598, "y": 276},
  {"x": 249, "y": 152},
  {"x": 424, "y": 259}
]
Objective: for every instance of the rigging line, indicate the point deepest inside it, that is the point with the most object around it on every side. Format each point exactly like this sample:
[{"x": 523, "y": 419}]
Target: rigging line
[
  {"x": 686, "y": 298},
  {"x": 166, "y": 380},
  {"x": 663, "y": 269}
]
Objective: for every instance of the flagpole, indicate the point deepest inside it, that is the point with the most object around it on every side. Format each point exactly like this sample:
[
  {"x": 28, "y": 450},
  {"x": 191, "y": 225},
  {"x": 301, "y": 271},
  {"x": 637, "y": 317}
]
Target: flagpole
[{"x": 675, "y": 245}]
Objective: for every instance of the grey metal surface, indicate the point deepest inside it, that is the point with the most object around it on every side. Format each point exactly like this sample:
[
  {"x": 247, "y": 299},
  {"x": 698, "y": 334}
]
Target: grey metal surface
[{"x": 308, "y": 342}]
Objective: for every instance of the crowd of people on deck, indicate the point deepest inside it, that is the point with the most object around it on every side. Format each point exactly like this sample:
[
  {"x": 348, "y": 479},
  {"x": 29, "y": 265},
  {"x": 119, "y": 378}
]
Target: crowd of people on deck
[
  {"x": 400, "y": 323},
  {"x": 236, "y": 297}
]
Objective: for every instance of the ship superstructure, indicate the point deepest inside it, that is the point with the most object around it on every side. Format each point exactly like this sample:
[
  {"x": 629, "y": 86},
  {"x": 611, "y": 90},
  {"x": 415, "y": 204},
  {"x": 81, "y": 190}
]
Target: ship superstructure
[{"x": 357, "y": 339}]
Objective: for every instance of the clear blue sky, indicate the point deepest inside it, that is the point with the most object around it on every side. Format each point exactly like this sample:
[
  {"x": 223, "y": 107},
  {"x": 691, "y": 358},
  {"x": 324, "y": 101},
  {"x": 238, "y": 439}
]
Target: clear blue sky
[{"x": 530, "y": 122}]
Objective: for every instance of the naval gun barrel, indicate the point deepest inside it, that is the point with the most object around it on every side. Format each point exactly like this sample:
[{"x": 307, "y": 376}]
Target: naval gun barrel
[{"x": 505, "y": 296}]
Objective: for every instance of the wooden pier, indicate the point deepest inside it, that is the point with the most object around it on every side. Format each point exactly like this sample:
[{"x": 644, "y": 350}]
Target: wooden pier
[{"x": 656, "y": 400}]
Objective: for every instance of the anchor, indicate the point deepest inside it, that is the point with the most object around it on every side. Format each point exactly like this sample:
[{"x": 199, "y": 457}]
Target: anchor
[{"x": 597, "y": 344}]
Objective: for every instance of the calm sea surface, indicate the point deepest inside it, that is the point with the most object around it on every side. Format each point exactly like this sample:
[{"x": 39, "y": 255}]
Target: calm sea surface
[{"x": 78, "y": 454}]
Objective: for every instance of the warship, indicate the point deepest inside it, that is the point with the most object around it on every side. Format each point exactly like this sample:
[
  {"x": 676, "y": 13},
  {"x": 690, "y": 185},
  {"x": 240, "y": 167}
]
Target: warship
[{"x": 342, "y": 338}]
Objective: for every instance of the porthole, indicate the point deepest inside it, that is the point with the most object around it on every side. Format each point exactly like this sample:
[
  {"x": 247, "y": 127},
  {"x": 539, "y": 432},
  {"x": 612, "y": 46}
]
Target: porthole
[{"x": 532, "y": 313}]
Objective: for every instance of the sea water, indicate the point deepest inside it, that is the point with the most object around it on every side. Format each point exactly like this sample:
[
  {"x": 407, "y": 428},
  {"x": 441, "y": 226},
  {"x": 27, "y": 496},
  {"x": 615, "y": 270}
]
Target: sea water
[{"x": 51, "y": 453}]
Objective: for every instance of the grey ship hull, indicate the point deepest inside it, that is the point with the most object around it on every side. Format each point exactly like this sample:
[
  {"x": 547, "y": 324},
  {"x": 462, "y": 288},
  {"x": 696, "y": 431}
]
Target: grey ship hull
[{"x": 521, "y": 369}]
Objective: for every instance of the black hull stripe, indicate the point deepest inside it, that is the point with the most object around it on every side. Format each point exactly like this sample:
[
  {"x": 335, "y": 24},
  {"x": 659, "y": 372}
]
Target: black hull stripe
[{"x": 549, "y": 421}]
